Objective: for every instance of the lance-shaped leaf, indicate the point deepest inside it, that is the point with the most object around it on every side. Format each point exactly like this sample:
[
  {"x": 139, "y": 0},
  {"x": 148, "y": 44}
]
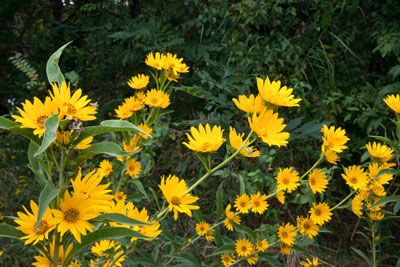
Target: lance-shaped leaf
[
  {"x": 50, "y": 126},
  {"x": 103, "y": 233},
  {"x": 119, "y": 218},
  {"x": 109, "y": 126},
  {"x": 15, "y": 128},
  {"x": 107, "y": 148},
  {"x": 53, "y": 71},
  {"x": 48, "y": 193},
  {"x": 9, "y": 231},
  {"x": 35, "y": 166}
]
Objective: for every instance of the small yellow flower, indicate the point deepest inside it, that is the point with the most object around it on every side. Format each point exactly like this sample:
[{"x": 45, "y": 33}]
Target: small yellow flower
[
  {"x": 380, "y": 152},
  {"x": 132, "y": 145},
  {"x": 227, "y": 259},
  {"x": 148, "y": 131},
  {"x": 249, "y": 104},
  {"x": 258, "y": 203},
  {"x": 307, "y": 227},
  {"x": 133, "y": 103},
  {"x": 317, "y": 180},
  {"x": 376, "y": 216},
  {"x": 287, "y": 234},
  {"x": 378, "y": 189},
  {"x": 273, "y": 93},
  {"x": 334, "y": 139},
  {"x": 357, "y": 205},
  {"x": 331, "y": 156},
  {"x": 123, "y": 112},
  {"x": 133, "y": 168},
  {"x": 320, "y": 213},
  {"x": 286, "y": 249},
  {"x": 268, "y": 126},
  {"x": 174, "y": 191},
  {"x": 108, "y": 251},
  {"x": 157, "y": 99},
  {"x": 356, "y": 177},
  {"x": 287, "y": 179},
  {"x": 44, "y": 261},
  {"x": 85, "y": 143},
  {"x": 236, "y": 141},
  {"x": 120, "y": 196},
  {"x": 242, "y": 203},
  {"x": 231, "y": 218},
  {"x": 205, "y": 139},
  {"x": 252, "y": 259},
  {"x": 139, "y": 81},
  {"x": 262, "y": 245},
  {"x": 281, "y": 197},
  {"x": 393, "y": 102},
  {"x": 155, "y": 61},
  {"x": 105, "y": 167},
  {"x": 202, "y": 228},
  {"x": 243, "y": 247},
  {"x": 310, "y": 263}
]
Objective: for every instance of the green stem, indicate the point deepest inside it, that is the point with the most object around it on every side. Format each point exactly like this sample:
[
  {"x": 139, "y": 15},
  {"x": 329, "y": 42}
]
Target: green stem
[
  {"x": 373, "y": 248},
  {"x": 321, "y": 158},
  {"x": 121, "y": 179},
  {"x": 56, "y": 246},
  {"x": 343, "y": 201}
]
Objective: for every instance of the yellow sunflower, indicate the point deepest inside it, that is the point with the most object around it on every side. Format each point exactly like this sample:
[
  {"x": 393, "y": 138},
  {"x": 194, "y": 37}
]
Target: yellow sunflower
[
  {"x": 249, "y": 104},
  {"x": 262, "y": 245},
  {"x": 105, "y": 167},
  {"x": 242, "y": 203},
  {"x": 148, "y": 131},
  {"x": 227, "y": 259},
  {"x": 310, "y": 263},
  {"x": 205, "y": 139},
  {"x": 252, "y": 259},
  {"x": 231, "y": 218},
  {"x": 287, "y": 234},
  {"x": 268, "y": 126},
  {"x": 151, "y": 231},
  {"x": 236, "y": 141},
  {"x": 133, "y": 103},
  {"x": 243, "y": 247},
  {"x": 356, "y": 177},
  {"x": 334, "y": 139},
  {"x": 281, "y": 197},
  {"x": 85, "y": 143},
  {"x": 357, "y": 204},
  {"x": 27, "y": 222},
  {"x": 157, "y": 99},
  {"x": 123, "y": 111},
  {"x": 107, "y": 251},
  {"x": 120, "y": 196},
  {"x": 330, "y": 156},
  {"x": 156, "y": 60},
  {"x": 380, "y": 152},
  {"x": 132, "y": 145},
  {"x": 317, "y": 180},
  {"x": 286, "y": 249},
  {"x": 273, "y": 93},
  {"x": 74, "y": 215},
  {"x": 287, "y": 179},
  {"x": 73, "y": 106},
  {"x": 393, "y": 102},
  {"x": 258, "y": 203},
  {"x": 133, "y": 168},
  {"x": 174, "y": 191},
  {"x": 376, "y": 216},
  {"x": 44, "y": 261},
  {"x": 374, "y": 170},
  {"x": 173, "y": 66},
  {"x": 139, "y": 81},
  {"x": 320, "y": 213},
  {"x": 203, "y": 229},
  {"x": 307, "y": 227},
  {"x": 33, "y": 115}
]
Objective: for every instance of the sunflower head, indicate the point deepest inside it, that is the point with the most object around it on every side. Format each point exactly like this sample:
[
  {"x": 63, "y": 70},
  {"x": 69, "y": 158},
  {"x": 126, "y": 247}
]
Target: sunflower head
[
  {"x": 317, "y": 180},
  {"x": 393, "y": 102},
  {"x": 287, "y": 234},
  {"x": 205, "y": 139},
  {"x": 157, "y": 99},
  {"x": 139, "y": 81},
  {"x": 320, "y": 213},
  {"x": 287, "y": 179},
  {"x": 273, "y": 94},
  {"x": 244, "y": 247},
  {"x": 356, "y": 177},
  {"x": 379, "y": 152},
  {"x": 250, "y": 104},
  {"x": 236, "y": 141}
]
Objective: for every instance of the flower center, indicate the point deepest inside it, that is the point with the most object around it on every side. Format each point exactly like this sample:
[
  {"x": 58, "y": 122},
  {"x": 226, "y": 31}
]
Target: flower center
[
  {"x": 42, "y": 228},
  {"x": 69, "y": 109},
  {"x": 154, "y": 100},
  {"x": 306, "y": 226},
  {"x": 175, "y": 201},
  {"x": 205, "y": 146},
  {"x": 312, "y": 181},
  {"x": 244, "y": 248},
  {"x": 71, "y": 215},
  {"x": 284, "y": 234},
  {"x": 256, "y": 203},
  {"x": 353, "y": 180},
  {"x": 317, "y": 212},
  {"x": 242, "y": 204},
  {"x": 40, "y": 121},
  {"x": 285, "y": 180}
]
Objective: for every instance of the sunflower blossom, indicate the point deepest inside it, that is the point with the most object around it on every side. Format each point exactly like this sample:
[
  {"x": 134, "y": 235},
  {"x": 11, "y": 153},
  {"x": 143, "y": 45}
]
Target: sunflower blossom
[
  {"x": 242, "y": 203},
  {"x": 380, "y": 152},
  {"x": 307, "y": 227},
  {"x": 139, "y": 81},
  {"x": 107, "y": 251},
  {"x": 393, "y": 102},
  {"x": 320, "y": 213},
  {"x": 227, "y": 259},
  {"x": 317, "y": 180},
  {"x": 287, "y": 179},
  {"x": 205, "y": 139},
  {"x": 310, "y": 263},
  {"x": 249, "y": 104},
  {"x": 334, "y": 139},
  {"x": 236, "y": 141},
  {"x": 44, "y": 261},
  {"x": 273, "y": 93},
  {"x": 243, "y": 247},
  {"x": 157, "y": 99},
  {"x": 287, "y": 234},
  {"x": 133, "y": 168},
  {"x": 258, "y": 203},
  {"x": 105, "y": 167},
  {"x": 231, "y": 218},
  {"x": 357, "y": 205},
  {"x": 356, "y": 177},
  {"x": 268, "y": 126},
  {"x": 174, "y": 191},
  {"x": 27, "y": 223},
  {"x": 155, "y": 61}
]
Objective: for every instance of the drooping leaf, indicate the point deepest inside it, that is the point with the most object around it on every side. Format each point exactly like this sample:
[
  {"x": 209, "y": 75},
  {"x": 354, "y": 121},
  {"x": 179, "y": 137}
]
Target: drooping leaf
[
  {"x": 50, "y": 126},
  {"x": 34, "y": 162},
  {"x": 53, "y": 71},
  {"x": 48, "y": 193},
  {"x": 219, "y": 199},
  {"x": 9, "y": 231},
  {"x": 119, "y": 218},
  {"x": 12, "y": 126},
  {"x": 107, "y": 148},
  {"x": 103, "y": 233}
]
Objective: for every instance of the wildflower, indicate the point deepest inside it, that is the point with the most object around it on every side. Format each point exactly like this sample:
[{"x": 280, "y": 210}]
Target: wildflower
[
  {"x": 155, "y": 61},
  {"x": 268, "y": 126},
  {"x": 249, "y": 104},
  {"x": 357, "y": 204},
  {"x": 231, "y": 218},
  {"x": 157, "y": 99},
  {"x": 132, "y": 145},
  {"x": 174, "y": 191},
  {"x": 105, "y": 167},
  {"x": 307, "y": 227},
  {"x": 202, "y": 228},
  {"x": 44, "y": 261},
  {"x": 227, "y": 259},
  {"x": 286, "y": 249},
  {"x": 252, "y": 259},
  {"x": 85, "y": 143},
  {"x": 320, "y": 213},
  {"x": 310, "y": 263},
  {"x": 281, "y": 197},
  {"x": 139, "y": 81},
  {"x": 236, "y": 141},
  {"x": 120, "y": 196},
  {"x": 244, "y": 247},
  {"x": 356, "y": 177},
  {"x": 262, "y": 245},
  {"x": 393, "y": 102},
  {"x": 33, "y": 115},
  {"x": 123, "y": 112},
  {"x": 74, "y": 215},
  {"x": 133, "y": 103},
  {"x": 287, "y": 234},
  {"x": 378, "y": 189},
  {"x": 376, "y": 216},
  {"x": 380, "y": 152},
  {"x": 331, "y": 156},
  {"x": 374, "y": 172},
  {"x": 334, "y": 139},
  {"x": 133, "y": 168},
  {"x": 27, "y": 223},
  {"x": 73, "y": 106},
  {"x": 258, "y": 203},
  {"x": 108, "y": 251},
  {"x": 242, "y": 203},
  {"x": 205, "y": 139},
  {"x": 273, "y": 93},
  {"x": 287, "y": 179},
  {"x": 146, "y": 129},
  {"x": 152, "y": 230},
  {"x": 317, "y": 181}
]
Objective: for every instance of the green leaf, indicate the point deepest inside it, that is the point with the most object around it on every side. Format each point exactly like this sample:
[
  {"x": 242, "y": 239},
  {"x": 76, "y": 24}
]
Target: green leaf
[
  {"x": 103, "y": 233},
  {"x": 107, "y": 148},
  {"x": 35, "y": 163},
  {"x": 50, "y": 126},
  {"x": 12, "y": 126},
  {"x": 9, "y": 231},
  {"x": 223, "y": 249},
  {"x": 274, "y": 261},
  {"x": 119, "y": 218},
  {"x": 140, "y": 187},
  {"x": 187, "y": 258},
  {"x": 48, "y": 193},
  {"x": 246, "y": 231},
  {"x": 53, "y": 71},
  {"x": 194, "y": 91},
  {"x": 108, "y": 126},
  {"x": 385, "y": 200},
  {"x": 362, "y": 255},
  {"x": 219, "y": 200},
  {"x": 242, "y": 184}
]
